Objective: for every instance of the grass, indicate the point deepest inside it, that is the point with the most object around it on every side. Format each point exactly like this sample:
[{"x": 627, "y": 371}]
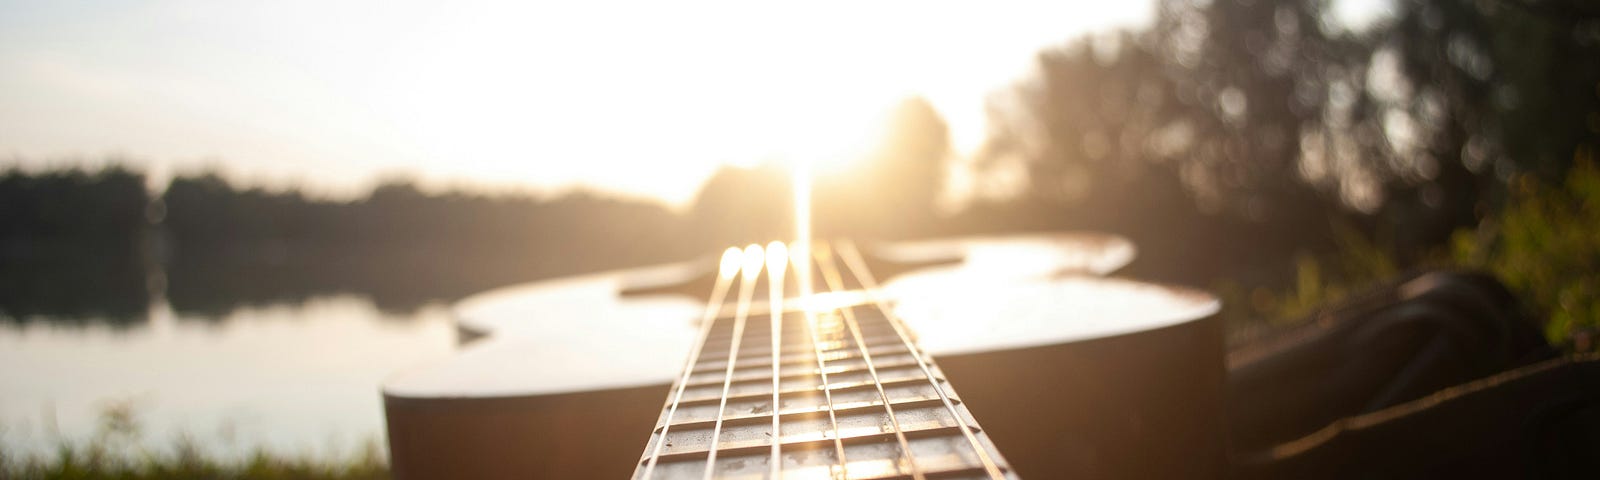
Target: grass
[
  {"x": 97, "y": 462},
  {"x": 117, "y": 452}
]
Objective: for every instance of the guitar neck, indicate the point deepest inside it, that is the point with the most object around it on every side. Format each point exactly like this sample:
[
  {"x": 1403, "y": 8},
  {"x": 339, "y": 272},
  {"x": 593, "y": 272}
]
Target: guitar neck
[{"x": 847, "y": 394}]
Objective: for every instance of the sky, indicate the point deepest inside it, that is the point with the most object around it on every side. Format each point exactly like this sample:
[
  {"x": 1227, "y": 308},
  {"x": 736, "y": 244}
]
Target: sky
[{"x": 640, "y": 98}]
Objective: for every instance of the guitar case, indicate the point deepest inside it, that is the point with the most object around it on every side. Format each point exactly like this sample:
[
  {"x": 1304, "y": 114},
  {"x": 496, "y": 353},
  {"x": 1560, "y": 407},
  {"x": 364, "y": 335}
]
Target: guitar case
[{"x": 1439, "y": 374}]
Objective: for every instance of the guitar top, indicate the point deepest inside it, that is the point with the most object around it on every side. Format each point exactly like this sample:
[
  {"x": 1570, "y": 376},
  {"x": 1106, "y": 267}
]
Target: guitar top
[
  {"x": 982, "y": 293},
  {"x": 1060, "y": 367}
]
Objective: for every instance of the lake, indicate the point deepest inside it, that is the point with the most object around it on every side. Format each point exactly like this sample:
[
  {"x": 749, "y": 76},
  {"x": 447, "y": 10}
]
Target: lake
[{"x": 295, "y": 378}]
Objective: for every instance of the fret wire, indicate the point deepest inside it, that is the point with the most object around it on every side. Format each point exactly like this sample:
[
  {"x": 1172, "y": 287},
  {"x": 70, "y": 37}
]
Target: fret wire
[
  {"x": 775, "y": 273},
  {"x": 853, "y": 260},
  {"x": 719, "y": 293},
  {"x": 747, "y": 289},
  {"x": 830, "y": 274},
  {"x": 827, "y": 393}
]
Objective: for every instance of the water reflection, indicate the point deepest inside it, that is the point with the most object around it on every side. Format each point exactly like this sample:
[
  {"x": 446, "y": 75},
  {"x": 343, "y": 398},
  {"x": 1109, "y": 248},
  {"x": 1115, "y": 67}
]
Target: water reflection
[
  {"x": 294, "y": 378},
  {"x": 79, "y": 286}
]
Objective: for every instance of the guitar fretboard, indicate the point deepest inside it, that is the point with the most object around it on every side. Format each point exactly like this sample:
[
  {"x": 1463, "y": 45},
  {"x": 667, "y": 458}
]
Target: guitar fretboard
[{"x": 855, "y": 398}]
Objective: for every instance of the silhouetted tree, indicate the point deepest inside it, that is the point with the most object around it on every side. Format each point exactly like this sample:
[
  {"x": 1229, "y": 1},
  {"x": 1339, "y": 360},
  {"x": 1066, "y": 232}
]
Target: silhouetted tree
[
  {"x": 739, "y": 206},
  {"x": 891, "y": 192}
]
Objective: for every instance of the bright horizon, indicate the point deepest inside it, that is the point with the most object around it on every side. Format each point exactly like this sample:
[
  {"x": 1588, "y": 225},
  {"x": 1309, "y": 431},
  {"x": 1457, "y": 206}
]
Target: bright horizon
[{"x": 643, "y": 99}]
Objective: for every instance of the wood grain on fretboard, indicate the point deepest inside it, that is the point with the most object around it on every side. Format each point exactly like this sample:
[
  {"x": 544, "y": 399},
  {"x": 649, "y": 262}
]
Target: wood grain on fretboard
[{"x": 857, "y": 399}]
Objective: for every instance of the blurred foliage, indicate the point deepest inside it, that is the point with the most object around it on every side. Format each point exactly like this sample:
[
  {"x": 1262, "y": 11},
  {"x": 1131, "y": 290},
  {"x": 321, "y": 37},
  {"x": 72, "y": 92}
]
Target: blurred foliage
[
  {"x": 1230, "y": 139},
  {"x": 84, "y": 205},
  {"x": 94, "y": 246},
  {"x": 1268, "y": 109},
  {"x": 1317, "y": 281},
  {"x": 116, "y": 451},
  {"x": 1546, "y": 246},
  {"x": 79, "y": 246},
  {"x": 400, "y": 245},
  {"x": 70, "y": 244},
  {"x": 1313, "y": 158}
]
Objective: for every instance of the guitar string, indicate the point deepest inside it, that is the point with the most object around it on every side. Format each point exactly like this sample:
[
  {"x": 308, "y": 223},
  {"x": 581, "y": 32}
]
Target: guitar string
[
  {"x": 830, "y": 273},
  {"x": 719, "y": 293},
  {"x": 775, "y": 273},
  {"x": 822, "y": 372},
  {"x": 853, "y": 260},
  {"x": 747, "y": 286}
]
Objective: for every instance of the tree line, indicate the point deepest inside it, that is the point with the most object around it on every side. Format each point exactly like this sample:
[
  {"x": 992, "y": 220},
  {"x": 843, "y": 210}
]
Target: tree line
[
  {"x": 1227, "y": 139},
  {"x": 85, "y": 244},
  {"x": 80, "y": 244}
]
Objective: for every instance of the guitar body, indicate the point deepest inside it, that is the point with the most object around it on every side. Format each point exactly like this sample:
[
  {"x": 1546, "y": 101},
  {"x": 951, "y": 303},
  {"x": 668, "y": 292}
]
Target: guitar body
[{"x": 1069, "y": 372}]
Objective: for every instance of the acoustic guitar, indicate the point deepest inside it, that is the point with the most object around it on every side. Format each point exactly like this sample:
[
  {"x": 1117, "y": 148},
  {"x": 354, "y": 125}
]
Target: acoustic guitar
[{"x": 798, "y": 363}]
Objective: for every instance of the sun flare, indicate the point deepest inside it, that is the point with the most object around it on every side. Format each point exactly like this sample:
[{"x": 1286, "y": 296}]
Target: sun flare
[{"x": 643, "y": 98}]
